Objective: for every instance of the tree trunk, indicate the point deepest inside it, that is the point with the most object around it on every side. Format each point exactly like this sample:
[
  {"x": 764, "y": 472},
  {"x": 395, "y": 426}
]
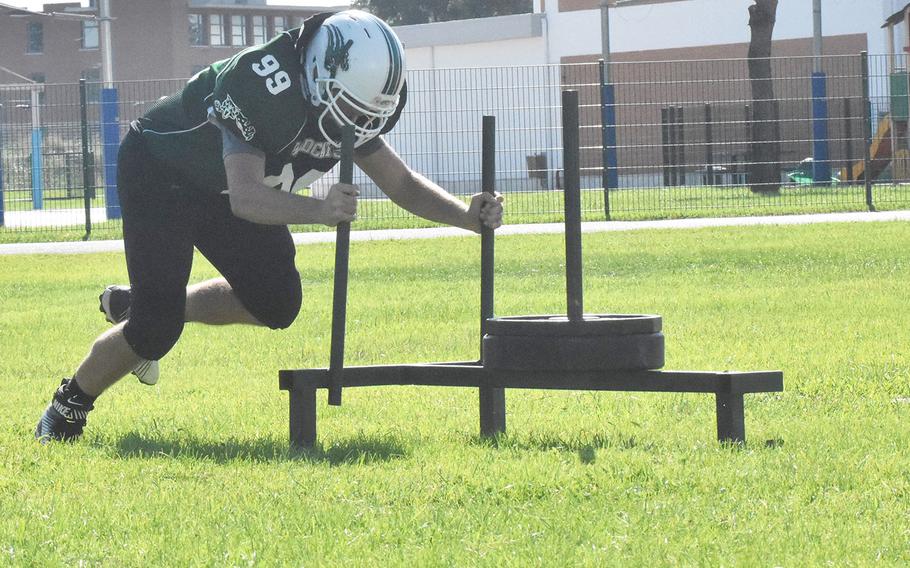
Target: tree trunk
[{"x": 764, "y": 170}]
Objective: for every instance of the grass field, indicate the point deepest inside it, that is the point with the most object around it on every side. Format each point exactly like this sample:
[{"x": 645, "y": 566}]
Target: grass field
[
  {"x": 196, "y": 470},
  {"x": 547, "y": 206}
]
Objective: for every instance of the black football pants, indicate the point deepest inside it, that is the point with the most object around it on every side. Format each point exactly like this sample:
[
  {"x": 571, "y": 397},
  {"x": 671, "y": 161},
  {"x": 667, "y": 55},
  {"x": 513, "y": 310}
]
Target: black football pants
[{"x": 163, "y": 220}]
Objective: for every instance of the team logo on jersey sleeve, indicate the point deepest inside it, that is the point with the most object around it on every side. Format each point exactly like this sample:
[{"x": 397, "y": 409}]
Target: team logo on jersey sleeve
[{"x": 230, "y": 111}]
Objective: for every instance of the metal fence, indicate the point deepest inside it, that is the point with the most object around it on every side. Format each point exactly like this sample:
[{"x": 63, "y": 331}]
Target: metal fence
[{"x": 667, "y": 139}]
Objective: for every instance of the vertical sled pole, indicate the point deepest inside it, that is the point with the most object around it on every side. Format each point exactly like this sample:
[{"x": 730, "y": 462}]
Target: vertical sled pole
[
  {"x": 340, "y": 294},
  {"x": 572, "y": 199},
  {"x": 492, "y": 399},
  {"x": 487, "y": 257}
]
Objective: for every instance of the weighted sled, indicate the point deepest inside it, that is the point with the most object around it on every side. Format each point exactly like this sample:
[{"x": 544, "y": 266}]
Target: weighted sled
[{"x": 597, "y": 342}]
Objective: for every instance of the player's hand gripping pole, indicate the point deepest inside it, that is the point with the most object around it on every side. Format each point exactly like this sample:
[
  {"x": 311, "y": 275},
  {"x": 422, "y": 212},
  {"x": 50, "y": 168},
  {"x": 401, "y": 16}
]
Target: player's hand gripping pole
[{"x": 340, "y": 294}]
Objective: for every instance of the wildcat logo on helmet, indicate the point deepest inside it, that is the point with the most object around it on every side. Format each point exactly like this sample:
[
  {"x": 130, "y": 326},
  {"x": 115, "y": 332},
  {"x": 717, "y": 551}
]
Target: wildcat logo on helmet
[
  {"x": 230, "y": 111},
  {"x": 336, "y": 54}
]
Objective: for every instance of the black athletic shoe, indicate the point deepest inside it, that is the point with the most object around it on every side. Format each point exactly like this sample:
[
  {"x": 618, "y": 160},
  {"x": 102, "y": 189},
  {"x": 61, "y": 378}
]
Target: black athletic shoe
[
  {"x": 64, "y": 418},
  {"x": 114, "y": 303}
]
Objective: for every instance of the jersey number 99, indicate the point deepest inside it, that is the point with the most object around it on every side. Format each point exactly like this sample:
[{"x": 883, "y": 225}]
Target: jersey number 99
[{"x": 274, "y": 83}]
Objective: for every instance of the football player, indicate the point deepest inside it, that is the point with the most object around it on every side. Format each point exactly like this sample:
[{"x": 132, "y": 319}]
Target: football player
[{"x": 215, "y": 167}]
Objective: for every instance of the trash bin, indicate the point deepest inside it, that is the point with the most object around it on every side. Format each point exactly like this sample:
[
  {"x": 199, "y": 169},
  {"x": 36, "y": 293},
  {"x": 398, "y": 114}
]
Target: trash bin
[{"x": 537, "y": 169}]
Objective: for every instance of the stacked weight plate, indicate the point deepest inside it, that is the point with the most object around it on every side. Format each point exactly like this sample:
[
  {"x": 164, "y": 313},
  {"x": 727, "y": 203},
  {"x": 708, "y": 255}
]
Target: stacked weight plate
[{"x": 596, "y": 342}]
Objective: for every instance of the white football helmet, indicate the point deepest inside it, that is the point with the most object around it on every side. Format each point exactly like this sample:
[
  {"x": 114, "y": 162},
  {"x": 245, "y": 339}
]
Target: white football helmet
[{"x": 354, "y": 71}]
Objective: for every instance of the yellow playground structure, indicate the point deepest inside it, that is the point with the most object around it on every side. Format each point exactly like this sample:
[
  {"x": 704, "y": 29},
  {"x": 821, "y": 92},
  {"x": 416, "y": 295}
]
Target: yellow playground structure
[{"x": 880, "y": 152}]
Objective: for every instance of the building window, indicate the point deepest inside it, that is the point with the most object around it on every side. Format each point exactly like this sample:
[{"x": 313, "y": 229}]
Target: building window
[
  {"x": 92, "y": 84},
  {"x": 90, "y": 34},
  {"x": 216, "y": 29},
  {"x": 259, "y": 30},
  {"x": 238, "y": 30},
  {"x": 197, "y": 30},
  {"x": 279, "y": 24},
  {"x": 296, "y": 21},
  {"x": 35, "y": 38}
]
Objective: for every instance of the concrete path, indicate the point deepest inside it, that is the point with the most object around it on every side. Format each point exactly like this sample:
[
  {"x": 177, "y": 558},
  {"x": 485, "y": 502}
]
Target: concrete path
[
  {"x": 544, "y": 228},
  {"x": 50, "y": 218}
]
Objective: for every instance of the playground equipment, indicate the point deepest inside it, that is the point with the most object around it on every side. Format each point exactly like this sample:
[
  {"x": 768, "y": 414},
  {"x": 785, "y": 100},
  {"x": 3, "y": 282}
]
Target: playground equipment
[
  {"x": 879, "y": 152},
  {"x": 578, "y": 351},
  {"x": 804, "y": 173}
]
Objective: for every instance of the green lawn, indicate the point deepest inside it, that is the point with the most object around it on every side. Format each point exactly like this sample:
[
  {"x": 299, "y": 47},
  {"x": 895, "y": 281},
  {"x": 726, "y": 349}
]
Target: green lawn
[{"x": 196, "y": 470}]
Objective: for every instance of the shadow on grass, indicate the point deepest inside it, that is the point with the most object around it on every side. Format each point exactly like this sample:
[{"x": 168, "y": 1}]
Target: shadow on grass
[
  {"x": 585, "y": 446},
  {"x": 361, "y": 449}
]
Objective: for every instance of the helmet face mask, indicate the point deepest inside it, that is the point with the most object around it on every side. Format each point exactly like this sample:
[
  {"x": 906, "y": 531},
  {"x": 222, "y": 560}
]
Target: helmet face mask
[
  {"x": 340, "y": 109},
  {"x": 354, "y": 72}
]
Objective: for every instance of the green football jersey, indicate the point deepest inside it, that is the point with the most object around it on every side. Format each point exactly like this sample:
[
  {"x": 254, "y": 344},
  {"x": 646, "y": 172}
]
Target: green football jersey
[{"x": 258, "y": 97}]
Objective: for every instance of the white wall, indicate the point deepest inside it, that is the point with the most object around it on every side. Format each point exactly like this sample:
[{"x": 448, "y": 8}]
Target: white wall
[
  {"x": 526, "y": 51},
  {"x": 706, "y": 22},
  {"x": 658, "y": 26}
]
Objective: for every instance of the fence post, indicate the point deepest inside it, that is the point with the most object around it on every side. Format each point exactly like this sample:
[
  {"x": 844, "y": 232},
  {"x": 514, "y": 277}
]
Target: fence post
[
  {"x": 88, "y": 184},
  {"x": 747, "y": 157},
  {"x": 2, "y": 207},
  {"x": 671, "y": 127},
  {"x": 665, "y": 143},
  {"x": 867, "y": 129},
  {"x": 37, "y": 169},
  {"x": 821, "y": 167},
  {"x": 848, "y": 137},
  {"x": 609, "y": 172},
  {"x": 709, "y": 146},
  {"x": 110, "y": 138},
  {"x": 681, "y": 146}
]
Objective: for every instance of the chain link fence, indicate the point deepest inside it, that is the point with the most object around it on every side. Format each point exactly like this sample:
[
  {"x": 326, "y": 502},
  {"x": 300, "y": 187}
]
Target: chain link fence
[{"x": 667, "y": 139}]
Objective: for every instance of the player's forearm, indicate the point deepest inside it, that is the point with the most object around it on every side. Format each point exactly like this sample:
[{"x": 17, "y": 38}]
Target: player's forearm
[
  {"x": 268, "y": 206},
  {"x": 411, "y": 190},
  {"x": 422, "y": 197},
  {"x": 255, "y": 201}
]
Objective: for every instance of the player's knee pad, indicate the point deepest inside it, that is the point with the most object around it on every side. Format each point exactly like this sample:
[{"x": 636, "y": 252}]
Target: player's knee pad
[{"x": 152, "y": 334}]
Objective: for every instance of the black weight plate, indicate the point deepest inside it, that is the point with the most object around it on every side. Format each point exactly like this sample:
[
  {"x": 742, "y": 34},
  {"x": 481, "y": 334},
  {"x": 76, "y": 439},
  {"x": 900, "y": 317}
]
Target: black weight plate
[
  {"x": 558, "y": 326},
  {"x": 585, "y": 353}
]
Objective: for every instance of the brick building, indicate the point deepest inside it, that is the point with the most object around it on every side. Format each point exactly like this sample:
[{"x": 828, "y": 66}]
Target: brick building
[{"x": 151, "y": 39}]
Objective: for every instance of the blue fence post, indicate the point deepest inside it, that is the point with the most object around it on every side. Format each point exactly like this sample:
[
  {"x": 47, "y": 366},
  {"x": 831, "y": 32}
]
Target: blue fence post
[
  {"x": 37, "y": 169},
  {"x": 2, "y": 208},
  {"x": 610, "y": 174},
  {"x": 821, "y": 164},
  {"x": 610, "y": 122},
  {"x": 110, "y": 139}
]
